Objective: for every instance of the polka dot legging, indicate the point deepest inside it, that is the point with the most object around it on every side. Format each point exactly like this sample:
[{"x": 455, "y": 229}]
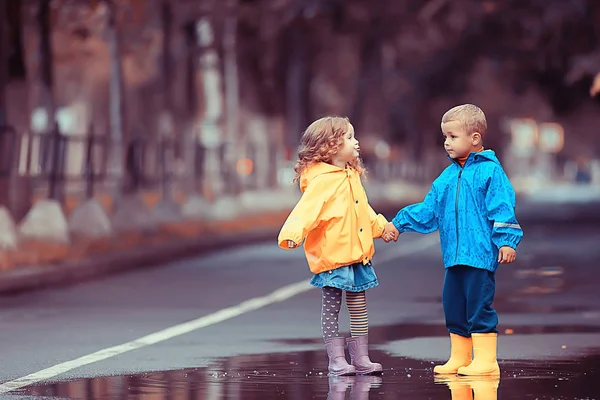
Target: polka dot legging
[{"x": 330, "y": 311}]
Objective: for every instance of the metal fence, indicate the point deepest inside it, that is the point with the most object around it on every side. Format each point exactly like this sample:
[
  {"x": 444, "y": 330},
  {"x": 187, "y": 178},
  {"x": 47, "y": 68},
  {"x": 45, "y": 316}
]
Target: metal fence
[{"x": 54, "y": 164}]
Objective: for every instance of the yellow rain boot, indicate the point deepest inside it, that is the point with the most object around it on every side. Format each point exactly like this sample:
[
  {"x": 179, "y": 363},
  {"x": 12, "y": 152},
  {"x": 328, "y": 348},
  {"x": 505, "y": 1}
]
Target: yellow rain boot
[
  {"x": 460, "y": 355},
  {"x": 484, "y": 361}
]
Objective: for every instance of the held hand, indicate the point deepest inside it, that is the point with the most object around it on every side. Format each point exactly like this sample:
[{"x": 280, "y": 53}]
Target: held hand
[
  {"x": 390, "y": 233},
  {"x": 291, "y": 244},
  {"x": 388, "y": 237},
  {"x": 506, "y": 255}
]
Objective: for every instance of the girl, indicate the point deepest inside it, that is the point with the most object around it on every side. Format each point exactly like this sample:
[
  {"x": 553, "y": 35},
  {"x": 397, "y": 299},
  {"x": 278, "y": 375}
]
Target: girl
[{"x": 334, "y": 220}]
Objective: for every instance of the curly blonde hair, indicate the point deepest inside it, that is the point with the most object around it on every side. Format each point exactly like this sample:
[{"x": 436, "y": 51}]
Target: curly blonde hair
[{"x": 321, "y": 141}]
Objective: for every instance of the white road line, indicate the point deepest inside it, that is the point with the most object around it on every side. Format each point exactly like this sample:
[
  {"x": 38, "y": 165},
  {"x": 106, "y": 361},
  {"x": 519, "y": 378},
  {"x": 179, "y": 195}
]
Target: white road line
[{"x": 281, "y": 294}]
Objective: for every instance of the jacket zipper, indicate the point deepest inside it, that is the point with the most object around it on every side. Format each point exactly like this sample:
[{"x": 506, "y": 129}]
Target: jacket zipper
[{"x": 456, "y": 209}]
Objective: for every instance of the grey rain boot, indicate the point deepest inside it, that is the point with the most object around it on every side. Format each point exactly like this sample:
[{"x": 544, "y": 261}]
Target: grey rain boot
[
  {"x": 359, "y": 356},
  {"x": 337, "y": 357}
]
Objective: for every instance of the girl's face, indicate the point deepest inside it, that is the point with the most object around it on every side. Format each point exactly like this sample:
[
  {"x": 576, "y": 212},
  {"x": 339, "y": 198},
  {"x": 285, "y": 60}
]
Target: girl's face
[{"x": 349, "y": 149}]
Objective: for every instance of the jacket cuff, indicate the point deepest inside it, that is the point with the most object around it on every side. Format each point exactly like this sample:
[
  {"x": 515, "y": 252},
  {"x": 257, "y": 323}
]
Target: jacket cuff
[
  {"x": 397, "y": 225},
  {"x": 509, "y": 243},
  {"x": 380, "y": 224},
  {"x": 284, "y": 236}
]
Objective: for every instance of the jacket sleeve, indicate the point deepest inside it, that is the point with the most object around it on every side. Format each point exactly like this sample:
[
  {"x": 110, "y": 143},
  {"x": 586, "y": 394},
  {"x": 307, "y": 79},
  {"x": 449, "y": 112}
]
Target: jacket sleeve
[
  {"x": 420, "y": 217},
  {"x": 500, "y": 202},
  {"x": 305, "y": 215},
  {"x": 378, "y": 222}
]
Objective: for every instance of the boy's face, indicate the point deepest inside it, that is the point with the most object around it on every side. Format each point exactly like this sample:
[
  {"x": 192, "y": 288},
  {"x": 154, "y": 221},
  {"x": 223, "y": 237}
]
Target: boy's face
[
  {"x": 458, "y": 143},
  {"x": 349, "y": 148}
]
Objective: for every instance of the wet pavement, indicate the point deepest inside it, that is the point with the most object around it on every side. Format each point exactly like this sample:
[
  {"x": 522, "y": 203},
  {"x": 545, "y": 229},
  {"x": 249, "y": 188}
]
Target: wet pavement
[
  {"x": 303, "y": 376},
  {"x": 548, "y": 303}
]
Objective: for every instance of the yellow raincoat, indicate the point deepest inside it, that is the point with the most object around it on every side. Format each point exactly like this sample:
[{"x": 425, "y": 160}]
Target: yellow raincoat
[{"x": 333, "y": 218}]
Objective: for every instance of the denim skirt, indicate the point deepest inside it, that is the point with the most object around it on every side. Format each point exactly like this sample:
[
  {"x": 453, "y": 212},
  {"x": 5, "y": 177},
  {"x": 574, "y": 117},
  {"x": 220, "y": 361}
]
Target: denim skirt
[{"x": 353, "y": 278}]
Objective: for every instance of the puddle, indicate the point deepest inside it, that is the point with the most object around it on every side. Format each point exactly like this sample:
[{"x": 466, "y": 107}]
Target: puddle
[
  {"x": 383, "y": 334},
  {"x": 303, "y": 376}
]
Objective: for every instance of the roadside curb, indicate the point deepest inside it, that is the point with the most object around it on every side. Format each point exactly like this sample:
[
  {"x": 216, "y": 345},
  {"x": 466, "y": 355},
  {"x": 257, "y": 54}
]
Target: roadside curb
[
  {"x": 153, "y": 254},
  {"x": 147, "y": 256},
  {"x": 70, "y": 272}
]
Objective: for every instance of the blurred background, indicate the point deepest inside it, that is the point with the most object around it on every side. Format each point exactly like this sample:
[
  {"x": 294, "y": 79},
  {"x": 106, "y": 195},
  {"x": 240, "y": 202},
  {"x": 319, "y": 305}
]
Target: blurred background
[
  {"x": 139, "y": 133},
  {"x": 206, "y": 96}
]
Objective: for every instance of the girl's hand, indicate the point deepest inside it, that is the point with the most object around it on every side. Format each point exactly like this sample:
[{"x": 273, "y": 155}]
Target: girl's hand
[
  {"x": 291, "y": 244},
  {"x": 387, "y": 237},
  {"x": 390, "y": 233}
]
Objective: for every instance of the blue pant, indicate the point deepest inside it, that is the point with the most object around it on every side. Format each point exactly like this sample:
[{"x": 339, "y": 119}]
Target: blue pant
[{"x": 467, "y": 300}]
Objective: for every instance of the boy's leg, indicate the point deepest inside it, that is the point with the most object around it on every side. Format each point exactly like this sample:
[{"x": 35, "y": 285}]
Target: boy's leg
[
  {"x": 455, "y": 312},
  {"x": 480, "y": 288},
  {"x": 454, "y": 301},
  {"x": 330, "y": 311},
  {"x": 358, "y": 344}
]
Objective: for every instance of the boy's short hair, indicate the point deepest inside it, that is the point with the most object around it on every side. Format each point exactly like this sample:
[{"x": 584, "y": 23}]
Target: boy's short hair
[{"x": 470, "y": 115}]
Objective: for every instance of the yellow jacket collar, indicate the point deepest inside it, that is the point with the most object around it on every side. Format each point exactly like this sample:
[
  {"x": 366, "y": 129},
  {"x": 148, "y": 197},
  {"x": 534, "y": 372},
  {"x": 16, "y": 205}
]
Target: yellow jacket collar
[{"x": 315, "y": 170}]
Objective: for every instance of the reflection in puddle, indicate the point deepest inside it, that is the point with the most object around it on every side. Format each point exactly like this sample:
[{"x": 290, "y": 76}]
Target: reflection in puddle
[
  {"x": 358, "y": 386},
  {"x": 478, "y": 388},
  {"x": 303, "y": 376}
]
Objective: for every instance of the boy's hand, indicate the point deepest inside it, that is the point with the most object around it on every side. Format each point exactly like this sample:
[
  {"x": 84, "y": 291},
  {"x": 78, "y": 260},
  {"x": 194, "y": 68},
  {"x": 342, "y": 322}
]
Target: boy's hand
[
  {"x": 390, "y": 233},
  {"x": 291, "y": 244},
  {"x": 506, "y": 255}
]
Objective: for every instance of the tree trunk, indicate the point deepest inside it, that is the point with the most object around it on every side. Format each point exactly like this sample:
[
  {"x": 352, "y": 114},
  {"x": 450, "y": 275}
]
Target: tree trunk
[
  {"x": 3, "y": 61},
  {"x": 116, "y": 104},
  {"x": 370, "y": 64},
  {"x": 231, "y": 76},
  {"x": 167, "y": 153},
  {"x": 297, "y": 82},
  {"x": 232, "y": 95},
  {"x": 6, "y": 152},
  {"x": 210, "y": 129},
  {"x": 15, "y": 189},
  {"x": 54, "y": 152},
  {"x": 46, "y": 60},
  {"x": 167, "y": 27}
]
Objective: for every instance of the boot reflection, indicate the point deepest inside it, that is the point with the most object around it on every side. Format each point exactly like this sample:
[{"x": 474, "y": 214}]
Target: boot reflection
[
  {"x": 484, "y": 387},
  {"x": 338, "y": 386},
  {"x": 363, "y": 385},
  {"x": 459, "y": 389}
]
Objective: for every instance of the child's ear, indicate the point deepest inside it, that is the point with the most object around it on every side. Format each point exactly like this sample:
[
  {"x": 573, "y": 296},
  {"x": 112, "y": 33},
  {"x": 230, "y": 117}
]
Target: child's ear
[{"x": 476, "y": 138}]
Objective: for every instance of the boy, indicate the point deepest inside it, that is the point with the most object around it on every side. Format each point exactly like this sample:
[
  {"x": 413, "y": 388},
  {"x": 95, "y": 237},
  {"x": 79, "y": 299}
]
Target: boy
[{"x": 472, "y": 204}]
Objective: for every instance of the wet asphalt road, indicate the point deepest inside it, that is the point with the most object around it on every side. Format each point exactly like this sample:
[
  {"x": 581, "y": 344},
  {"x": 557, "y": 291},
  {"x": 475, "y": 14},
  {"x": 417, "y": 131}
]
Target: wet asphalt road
[{"x": 548, "y": 304}]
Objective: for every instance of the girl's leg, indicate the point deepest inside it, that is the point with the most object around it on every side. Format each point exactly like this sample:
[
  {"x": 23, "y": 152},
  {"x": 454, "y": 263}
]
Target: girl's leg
[
  {"x": 330, "y": 311},
  {"x": 358, "y": 344},
  {"x": 357, "y": 308}
]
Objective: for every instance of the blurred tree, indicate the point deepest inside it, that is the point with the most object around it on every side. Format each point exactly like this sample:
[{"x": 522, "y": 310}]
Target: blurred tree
[
  {"x": 4, "y": 73},
  {"x": 393, "y": 66},
  {"x": 46, "y": 63},
  {"x": 116, "y": 101}
]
